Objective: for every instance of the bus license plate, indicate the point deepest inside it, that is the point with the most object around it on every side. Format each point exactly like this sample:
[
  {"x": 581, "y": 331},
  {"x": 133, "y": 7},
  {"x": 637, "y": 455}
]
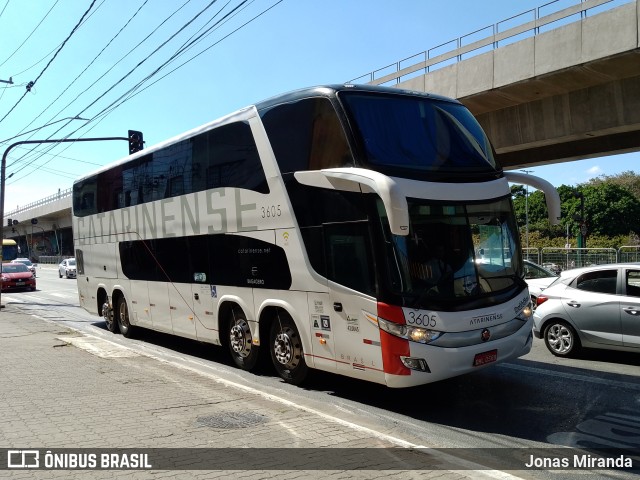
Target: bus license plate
[{"x": 485, "y": 357}]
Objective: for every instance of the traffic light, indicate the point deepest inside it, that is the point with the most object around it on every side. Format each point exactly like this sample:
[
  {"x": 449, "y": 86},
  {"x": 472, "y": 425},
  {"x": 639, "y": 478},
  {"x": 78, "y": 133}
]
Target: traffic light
[
  {"x": 9, "y": 222},
  {"x": 135, "y": 141}
]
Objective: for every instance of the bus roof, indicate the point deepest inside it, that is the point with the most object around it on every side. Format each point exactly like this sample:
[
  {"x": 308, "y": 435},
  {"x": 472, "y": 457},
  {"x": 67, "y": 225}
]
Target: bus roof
[
  {"x": 321, "y": 90},
  {"x": 330, "y": 90}
]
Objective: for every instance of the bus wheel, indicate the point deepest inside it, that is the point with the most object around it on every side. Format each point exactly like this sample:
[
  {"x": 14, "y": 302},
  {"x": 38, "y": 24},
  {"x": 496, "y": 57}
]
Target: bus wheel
[
  {"x": 243, "y": 352},
  {"x": 107, "y": 314},
  {"x": 122, "y": 313},
  {"x": 286, "y": 350}
]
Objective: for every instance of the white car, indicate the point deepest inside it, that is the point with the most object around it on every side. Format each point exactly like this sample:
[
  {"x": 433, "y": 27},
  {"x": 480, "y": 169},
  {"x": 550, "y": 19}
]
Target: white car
[
  {"x": 538, "y": 278},
  {"x": 67, "y": 268},
  {"x": 27, "y": 262}
]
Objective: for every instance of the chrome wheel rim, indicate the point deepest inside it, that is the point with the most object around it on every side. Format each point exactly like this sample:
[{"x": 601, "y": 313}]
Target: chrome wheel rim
[
  {"x": 286, "y": 350},
  {"x": 124, "y": 314},
  {"x": 107, "y": 314},
  {"x": 560, "y": 339},
  {"x": 240, "y": 338}
]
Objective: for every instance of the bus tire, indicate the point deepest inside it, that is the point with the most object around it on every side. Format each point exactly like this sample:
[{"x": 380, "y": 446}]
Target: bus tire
[
  {"x": 286, "y": 350},
  {"x": 122, "y": 316},
  {"x": 243, "y": 352},
  {"x": 107, "y": 314}
]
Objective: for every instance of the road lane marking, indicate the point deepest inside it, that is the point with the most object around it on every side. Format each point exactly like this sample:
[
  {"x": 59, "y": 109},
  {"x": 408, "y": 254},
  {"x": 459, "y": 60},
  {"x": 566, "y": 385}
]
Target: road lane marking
[
  {"x": 99, "y": 347},
  {"x": 572, "y": 376}
]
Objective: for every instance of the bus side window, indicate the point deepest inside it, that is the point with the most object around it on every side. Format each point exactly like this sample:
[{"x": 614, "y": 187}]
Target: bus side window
[
  {"x": 307, "y": 135},
  {"x": 79, "y": 262},
  {"x": 348, "y": 256}
]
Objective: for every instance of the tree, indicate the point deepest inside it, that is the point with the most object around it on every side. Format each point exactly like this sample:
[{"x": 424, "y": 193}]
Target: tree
[
  {"x": 629, "y": 180},
  {"x": 611, "y": 209}
]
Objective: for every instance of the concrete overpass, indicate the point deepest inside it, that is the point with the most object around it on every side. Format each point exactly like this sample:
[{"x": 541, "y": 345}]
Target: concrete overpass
[
  {"x": 43, "y": 228},
  {"x": 569, "y": 93}
]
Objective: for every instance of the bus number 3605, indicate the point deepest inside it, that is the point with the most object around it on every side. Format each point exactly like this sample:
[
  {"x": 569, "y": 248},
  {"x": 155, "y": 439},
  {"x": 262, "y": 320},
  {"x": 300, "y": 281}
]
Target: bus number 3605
[
  {"x": 422, "y": 319},
  {"x": 271, "y": 211}
]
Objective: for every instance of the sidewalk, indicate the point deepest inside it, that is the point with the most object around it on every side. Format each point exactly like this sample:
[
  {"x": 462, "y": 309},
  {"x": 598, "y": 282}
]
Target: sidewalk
[{"x": 54, "y": 395}]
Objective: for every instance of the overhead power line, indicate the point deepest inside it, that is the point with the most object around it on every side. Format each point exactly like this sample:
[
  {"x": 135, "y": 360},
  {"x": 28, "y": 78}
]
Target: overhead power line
[
  {"x": 96, "y": 119},
  {"x": 84, "y": 70},
  {"x": 29, "y": 36},
  {"x": 126, "y": 55},
  {"x": 4, "y": 8},
  {"x": 31, "y": 84}
]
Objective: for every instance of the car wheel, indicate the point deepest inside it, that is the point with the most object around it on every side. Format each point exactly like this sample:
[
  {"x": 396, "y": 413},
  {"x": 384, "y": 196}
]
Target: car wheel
[
  {"x": 122, "y": 313},
  {"x": 243, "y": 352},
  {"x": 561, "y": 339},
  {"x": 286, "y": 350}
]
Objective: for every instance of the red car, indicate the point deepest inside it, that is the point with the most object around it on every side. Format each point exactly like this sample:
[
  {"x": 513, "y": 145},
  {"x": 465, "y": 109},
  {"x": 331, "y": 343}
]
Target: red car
[{"x": 16, "y": 276}]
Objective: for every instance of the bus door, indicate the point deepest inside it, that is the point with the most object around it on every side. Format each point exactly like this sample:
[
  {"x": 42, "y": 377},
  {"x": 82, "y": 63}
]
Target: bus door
[
  {"x": 84, "y": 291},
  {"x": 159, "y": 306},
  {"x": 139, "y": 307},
  {"x": 349, "y": 266},
  {"x": 181, "y": 308},
  {"x": 205, "y": 304}
]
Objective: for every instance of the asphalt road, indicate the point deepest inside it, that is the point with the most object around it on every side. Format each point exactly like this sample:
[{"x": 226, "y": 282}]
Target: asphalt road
[{"x": 536, "y": 401}]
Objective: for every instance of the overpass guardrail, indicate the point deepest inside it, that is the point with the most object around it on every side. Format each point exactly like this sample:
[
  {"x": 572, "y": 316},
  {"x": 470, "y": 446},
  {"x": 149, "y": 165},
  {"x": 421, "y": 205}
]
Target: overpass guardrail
[
  {"x": 38, "y": 203},
  {"x": 489, "y": 38}
]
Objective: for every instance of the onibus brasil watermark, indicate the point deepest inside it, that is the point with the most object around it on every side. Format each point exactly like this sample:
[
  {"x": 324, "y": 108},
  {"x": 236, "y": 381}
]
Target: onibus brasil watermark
[{"x": 51, "y": 460}]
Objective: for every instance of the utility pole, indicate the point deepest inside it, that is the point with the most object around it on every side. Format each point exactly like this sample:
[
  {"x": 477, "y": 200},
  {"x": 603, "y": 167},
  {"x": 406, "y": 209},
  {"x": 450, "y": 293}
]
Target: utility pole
[{"x": 3, "y": 168}]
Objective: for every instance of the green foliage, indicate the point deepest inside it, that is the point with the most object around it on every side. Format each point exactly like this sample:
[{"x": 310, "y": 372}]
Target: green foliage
[
  {"x": 627, "y": 180},
  {"x": 611, "y": 209}
]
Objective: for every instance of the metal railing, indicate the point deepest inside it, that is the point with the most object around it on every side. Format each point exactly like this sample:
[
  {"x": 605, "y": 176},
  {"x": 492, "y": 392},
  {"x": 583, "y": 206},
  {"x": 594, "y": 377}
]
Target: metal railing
[
  {"x": 454, "y": 50},
  {"x": 568, "y": 258},
  {"x": 38, "y": 203},
  {"x": 51, "y": 259},
  {"x": 629, "y": 253}
]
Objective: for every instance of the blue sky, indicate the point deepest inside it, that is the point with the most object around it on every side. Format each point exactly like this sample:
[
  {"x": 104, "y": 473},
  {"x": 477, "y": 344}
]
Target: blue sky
[{"x": 295, "y": 44}]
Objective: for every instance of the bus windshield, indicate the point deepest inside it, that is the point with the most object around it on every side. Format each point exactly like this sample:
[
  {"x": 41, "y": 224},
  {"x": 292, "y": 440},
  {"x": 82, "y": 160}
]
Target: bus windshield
[
  {"x": 421, "y": 134},
  {"x": 455, "y": 253}
]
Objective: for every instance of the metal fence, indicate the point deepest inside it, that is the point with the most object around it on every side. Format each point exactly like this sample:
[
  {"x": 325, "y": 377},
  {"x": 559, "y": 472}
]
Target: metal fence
[
  {"x": 629, "y": 253},
  {"x": 568, "y": 258},
  {"x": 51, "y": 259}
]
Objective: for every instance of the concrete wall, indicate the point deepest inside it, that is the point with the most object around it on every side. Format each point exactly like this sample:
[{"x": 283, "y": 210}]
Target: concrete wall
[{"x": 569, "y": 93}]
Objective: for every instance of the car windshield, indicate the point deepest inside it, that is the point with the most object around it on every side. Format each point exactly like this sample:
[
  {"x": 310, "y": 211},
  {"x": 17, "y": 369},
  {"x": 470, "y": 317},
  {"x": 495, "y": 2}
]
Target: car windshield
[
  {"x": 532, "y": 270},
  {"x": 14, "y": 268},
  {"x": 455, "y": 253},
  {"x": 72, "y": 263}
]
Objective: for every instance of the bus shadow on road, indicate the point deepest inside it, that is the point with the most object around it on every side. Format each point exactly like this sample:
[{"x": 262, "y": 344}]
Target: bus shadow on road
[{"x": 522, "y": 399}]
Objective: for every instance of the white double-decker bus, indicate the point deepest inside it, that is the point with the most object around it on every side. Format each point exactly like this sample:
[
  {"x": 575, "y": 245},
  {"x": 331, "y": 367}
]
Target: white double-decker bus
[{"x": 365, "y": 231}]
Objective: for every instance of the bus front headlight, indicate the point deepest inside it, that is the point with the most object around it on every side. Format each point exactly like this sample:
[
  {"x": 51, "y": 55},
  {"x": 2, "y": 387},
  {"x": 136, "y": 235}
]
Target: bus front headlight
[
  {"x": 525, "y": 314},
  {"x": 408, "y": 332}
]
